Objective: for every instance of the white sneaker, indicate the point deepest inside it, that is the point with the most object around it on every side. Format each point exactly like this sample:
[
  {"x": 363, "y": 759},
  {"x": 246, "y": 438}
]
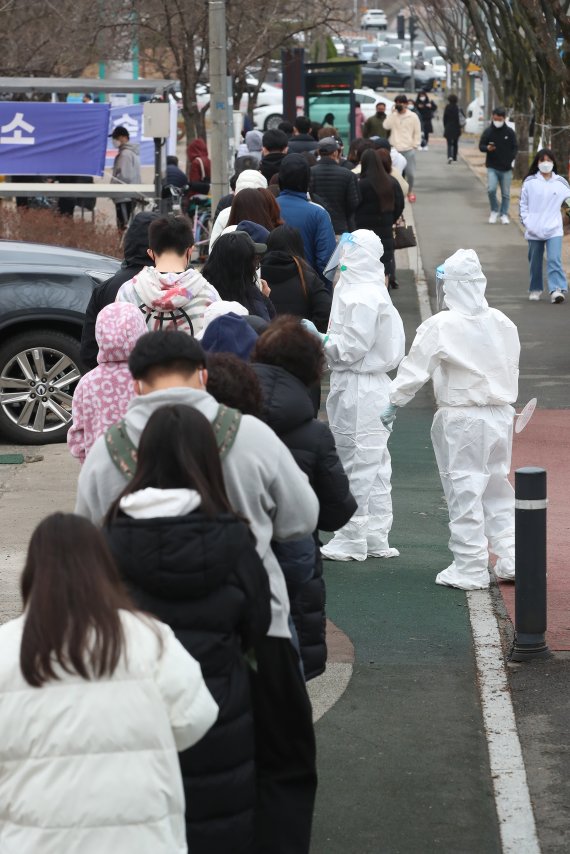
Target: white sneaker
[
  {"x": 450, "y": 159},
  {"x": 534, "y": 296},
  {"x": 389, "y": 552},
  {"x": 505, "y": 220},
  {"x": 426, "y": 147},
  {"x": 557, "y": 296},
  {"x": 493, "y": 217}
]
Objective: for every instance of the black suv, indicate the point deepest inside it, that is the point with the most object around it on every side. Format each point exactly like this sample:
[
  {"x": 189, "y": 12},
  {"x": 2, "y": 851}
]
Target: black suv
[{"x": 44, "y": 291}]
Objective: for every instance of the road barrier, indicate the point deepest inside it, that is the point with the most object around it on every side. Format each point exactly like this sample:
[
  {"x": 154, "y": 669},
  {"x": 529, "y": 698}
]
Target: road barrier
[{"x": 530, "y": 562}]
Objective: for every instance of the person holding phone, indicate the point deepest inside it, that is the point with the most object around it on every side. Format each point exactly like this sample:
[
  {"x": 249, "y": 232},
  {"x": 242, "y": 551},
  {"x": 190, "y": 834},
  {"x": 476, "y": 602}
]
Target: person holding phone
[{"x": 499, "y": 143}]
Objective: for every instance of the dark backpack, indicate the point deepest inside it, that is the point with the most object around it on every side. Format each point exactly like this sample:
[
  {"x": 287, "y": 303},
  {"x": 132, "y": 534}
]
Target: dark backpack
[{"x": 123, "y": 451}]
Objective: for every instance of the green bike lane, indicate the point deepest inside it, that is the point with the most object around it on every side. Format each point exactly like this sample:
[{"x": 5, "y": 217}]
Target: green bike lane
[{"x": 402, "y": 756}]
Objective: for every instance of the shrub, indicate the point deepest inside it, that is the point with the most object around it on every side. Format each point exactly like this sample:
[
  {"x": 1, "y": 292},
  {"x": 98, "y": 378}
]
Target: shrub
[{"x": 46, "y": 226}]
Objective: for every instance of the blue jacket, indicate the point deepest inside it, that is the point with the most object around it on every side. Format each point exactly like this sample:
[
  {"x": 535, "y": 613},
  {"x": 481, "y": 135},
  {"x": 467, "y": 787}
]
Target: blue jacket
[{"x": 315, "y": 226}]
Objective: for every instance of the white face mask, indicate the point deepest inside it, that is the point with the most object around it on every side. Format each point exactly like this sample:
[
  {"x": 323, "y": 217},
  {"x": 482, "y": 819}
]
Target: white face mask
[
  {"x": 546, "y": 166},
  {"x": 498, "y": 124},
  {"x": 116, "y": 143}
]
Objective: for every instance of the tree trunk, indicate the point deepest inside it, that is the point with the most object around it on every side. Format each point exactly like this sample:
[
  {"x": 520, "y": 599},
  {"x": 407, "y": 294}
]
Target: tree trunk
[{"x": 522, "y": 125}]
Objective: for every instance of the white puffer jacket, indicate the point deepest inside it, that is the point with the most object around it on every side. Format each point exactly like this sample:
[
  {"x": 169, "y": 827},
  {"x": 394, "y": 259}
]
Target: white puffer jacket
[{"x": 91, "y": 767}]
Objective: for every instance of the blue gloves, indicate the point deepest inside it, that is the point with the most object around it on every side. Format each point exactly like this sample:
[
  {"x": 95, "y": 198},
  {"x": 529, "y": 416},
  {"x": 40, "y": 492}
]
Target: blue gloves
[
  {"x": 389, "y": 416},
  {"x": 310, "y": 327}
]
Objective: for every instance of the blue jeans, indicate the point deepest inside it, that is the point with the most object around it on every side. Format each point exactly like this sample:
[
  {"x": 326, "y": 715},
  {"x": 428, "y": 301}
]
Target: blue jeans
[
  {"x": 554, "y": 270},
  {"x": 494, "y": 179}
]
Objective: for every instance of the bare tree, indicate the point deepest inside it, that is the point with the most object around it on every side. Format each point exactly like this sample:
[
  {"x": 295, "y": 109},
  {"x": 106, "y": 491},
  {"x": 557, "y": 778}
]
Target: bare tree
[{"x": 448, "y": 22}]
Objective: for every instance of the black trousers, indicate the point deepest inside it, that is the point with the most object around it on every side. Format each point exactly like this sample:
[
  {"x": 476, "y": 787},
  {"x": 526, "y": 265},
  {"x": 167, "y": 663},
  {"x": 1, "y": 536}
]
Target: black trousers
[
  {"x": 285, "y": 751},
  {"x": 124, "y": 210},
  {"x": 452, "y": 147}
]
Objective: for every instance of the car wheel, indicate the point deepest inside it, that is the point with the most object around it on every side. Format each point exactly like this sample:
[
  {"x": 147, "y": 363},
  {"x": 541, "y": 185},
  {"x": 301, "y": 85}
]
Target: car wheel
[
  {"x": 272, "y": 121},
  {"x": 39, "y": 371}
]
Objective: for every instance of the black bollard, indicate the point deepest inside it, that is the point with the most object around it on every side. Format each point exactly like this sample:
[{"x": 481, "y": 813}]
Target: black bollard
[{"x": 530, "y": 562}]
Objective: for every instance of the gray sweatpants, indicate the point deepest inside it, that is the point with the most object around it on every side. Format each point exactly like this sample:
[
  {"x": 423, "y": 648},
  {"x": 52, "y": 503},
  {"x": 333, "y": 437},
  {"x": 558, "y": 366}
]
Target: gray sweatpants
[{"x": 410, "y": 167}]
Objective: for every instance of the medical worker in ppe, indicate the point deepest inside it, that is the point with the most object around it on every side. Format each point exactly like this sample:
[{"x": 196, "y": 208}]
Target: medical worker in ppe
[
  {"x": 472, "y": 354},
  {"x": 365, "y": 340}
]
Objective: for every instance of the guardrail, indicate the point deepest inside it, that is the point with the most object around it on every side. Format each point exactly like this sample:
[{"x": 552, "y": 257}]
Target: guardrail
[{"x": 56, "y": 190}]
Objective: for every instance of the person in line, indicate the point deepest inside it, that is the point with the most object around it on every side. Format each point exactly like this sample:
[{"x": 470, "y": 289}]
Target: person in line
[
  {"x": 126, "y": 170},
  {"x": 249, "y": 179},
  {"x": 374, "y": 126},
  {"x": 286, "y": 127},
  {"x": 254, "y": 144},
  {"x": 241, "y": 165},
  {"x": 365, "y": 341},
  {"x": 425, "y": 108},
  {"x": 266, "y": 487},
  {"x": 272, "y": 207},
  {"x": 405, "y": 135},
  {"x": 337, "y": 187},
  {"x": 249, "y": 205},
  {"x": 96, "y": 699},
  {"x": 452, "y": 118},
  {"x": 191, "y": 562},
  {"x": 472, "y": 354},
  {"x": 231, "y": 269},
  {"x": 136, "y": 257},
  {"x": 302, "y": 139},
  {"x": 274, "y": 149},
  {"x": 198, "y": 166},
  {"x": 295, "y": 287},
  {"x": 169, "y": 295},
  {"x": 312, "y": 220},
  {"x": 233, "y": 382},
  {"x": 543, "y": 194},
  {"x": 230, "y": 333},
  {"x": 289, "y": 361},
  {"x": 358, "y": 120},
  {"x": 174, "y": 174},
  {"x": 103, "y": 394},
  {"x": 381, "y": 203},
  {"x": 499, "y": 143}
]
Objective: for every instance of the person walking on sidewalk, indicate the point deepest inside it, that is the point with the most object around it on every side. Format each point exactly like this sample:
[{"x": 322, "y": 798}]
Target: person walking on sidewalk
[
  {"x": 499, "y": 143},
  {"x": 365, "y": 341},
  {"x": 452, "y": 118},
  {"x": 406, "y": 136},
  {"x": 126, "y": 170},
  {"x": 472, "y": 354},
  {"x": 543, "y": 194},
  {"x": 425, "y": 108}
]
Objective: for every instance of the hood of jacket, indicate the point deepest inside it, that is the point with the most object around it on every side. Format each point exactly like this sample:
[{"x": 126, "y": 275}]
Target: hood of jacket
[
  {"x": 197, "y": 148},
  {"x": 251, "y": 179},
  {"x": 286, "y": 401},
  {"x": 118, "y": 327},
  {"x": 178, "y": 557},
  {"x": 253, "y": 140},
  {"x": 136, "y": 239},
  {"x": 464, "y": 283},
  {"x": 130, "y": 146},
  {"x": 278, "y": 266},
  {"x": 168, "y": 291},
  {"x": 358, "y": 255},
  {"x": 150, "y": 503}
]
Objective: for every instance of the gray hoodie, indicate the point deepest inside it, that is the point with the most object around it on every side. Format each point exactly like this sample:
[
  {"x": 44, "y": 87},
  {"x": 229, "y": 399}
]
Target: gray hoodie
[
  {"x": 126, "y": 168},
  {"x": 263, "y": 481}
]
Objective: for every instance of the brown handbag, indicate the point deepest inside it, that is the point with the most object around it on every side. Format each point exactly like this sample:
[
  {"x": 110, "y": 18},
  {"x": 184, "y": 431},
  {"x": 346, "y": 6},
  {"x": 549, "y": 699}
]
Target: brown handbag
[{"x": 404, "y": 237}]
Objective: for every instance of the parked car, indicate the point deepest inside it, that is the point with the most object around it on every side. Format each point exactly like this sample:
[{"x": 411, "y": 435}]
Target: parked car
[
  {"x": 374, "y": 19},
  {"x": 44, "y": 291},
  {"x": 368, "y": 51},
  {"x": 384, "y": 75}
]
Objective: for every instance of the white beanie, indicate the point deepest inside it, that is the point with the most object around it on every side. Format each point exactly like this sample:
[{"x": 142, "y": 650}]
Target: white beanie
[{"x": 251, "y": 179}]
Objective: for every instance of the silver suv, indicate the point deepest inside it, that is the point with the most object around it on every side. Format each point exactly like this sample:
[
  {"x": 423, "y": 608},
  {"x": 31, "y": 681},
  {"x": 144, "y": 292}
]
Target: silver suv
[{"x": 374, "y": 19}]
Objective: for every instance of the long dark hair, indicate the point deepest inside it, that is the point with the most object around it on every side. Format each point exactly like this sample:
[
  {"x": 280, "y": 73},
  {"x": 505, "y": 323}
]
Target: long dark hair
[
  {"x": 251, "y": 205},
  {"x": 72, "y": 595},
  {"x": 178, "y": 450},
  {"x": 285, "y": 238},
  {"x": 539, "y": 155},
  {"x": 231, "y": 267},
  {"x": 373, "y": 169}
]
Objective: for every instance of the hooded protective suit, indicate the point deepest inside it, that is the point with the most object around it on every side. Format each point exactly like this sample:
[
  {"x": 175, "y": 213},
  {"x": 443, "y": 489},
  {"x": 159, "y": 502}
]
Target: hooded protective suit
[
  {"x": 366, "y": 339},
  {"x": 472, "y": 353}
]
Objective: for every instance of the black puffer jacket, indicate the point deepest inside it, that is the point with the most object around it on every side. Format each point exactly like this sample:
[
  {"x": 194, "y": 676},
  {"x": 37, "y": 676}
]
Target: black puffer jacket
[
  {"x": 369, "y": 213},
  {"x": 136, "y": 257},
  {"x": 288, "y": 410},
  {"x": 338, "y": 189},
  {"x": 203, "y": 578},
  {"x": 288, "y": 295}
]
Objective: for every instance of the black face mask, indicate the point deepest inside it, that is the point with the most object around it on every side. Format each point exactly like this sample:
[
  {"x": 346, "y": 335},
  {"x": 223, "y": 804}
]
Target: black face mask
[{"x": 399, "y": 107}]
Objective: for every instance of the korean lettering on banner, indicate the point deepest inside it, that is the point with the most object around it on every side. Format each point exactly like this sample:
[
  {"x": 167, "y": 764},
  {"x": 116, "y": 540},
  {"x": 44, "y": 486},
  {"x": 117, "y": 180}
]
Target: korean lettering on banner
[
  {"x": 52, "y": 139},
  {"x": 131, "y": 118}
]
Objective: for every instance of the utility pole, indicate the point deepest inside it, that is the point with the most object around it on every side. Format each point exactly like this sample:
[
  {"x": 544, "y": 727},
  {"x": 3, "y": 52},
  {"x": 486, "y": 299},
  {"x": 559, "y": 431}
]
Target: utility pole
[{"x": 218, "y": 99}]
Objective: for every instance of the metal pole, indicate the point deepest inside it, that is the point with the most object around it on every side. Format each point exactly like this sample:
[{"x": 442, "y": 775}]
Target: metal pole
[
  {"x": 218, "y": 100},
  {"x": 530, "y": 562},
  {"x": 158, "y": 173}
]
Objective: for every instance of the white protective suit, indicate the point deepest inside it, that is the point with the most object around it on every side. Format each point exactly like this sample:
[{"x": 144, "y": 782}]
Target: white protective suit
[
  {"x": 472, "y": 354},
  {"x": 365, "y": 340}
]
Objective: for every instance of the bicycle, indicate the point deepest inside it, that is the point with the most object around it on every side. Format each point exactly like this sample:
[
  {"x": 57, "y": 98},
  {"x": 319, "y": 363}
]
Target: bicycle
[{"x": 200, "y": 212}]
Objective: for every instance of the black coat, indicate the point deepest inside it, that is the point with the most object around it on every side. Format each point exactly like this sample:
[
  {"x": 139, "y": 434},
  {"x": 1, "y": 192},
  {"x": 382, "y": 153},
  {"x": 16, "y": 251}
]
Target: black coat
[
  {"x": 506, "y": 147},
  {"x": 369, "y": 213},
  {"x": 288, "y": 410},
  {"x": 287, "y": 293},
  {"x": 270, "y": 164},
  {"x": 451, "y": 126},
  {"x": 338, "y": 189},
  {"x": 203, "y": 577},
  {"x": 136, "y": 257},
  {"x": 302, "y": 142},
  {"x": 425, "y": 110}
]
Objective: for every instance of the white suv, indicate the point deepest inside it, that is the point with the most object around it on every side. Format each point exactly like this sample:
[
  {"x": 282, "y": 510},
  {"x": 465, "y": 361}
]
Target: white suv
[{"x": 374, "y": 19}]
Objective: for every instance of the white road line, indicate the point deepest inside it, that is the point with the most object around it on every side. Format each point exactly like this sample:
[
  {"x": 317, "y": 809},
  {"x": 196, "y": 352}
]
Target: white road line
[{"x": 512, "y": 797}]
